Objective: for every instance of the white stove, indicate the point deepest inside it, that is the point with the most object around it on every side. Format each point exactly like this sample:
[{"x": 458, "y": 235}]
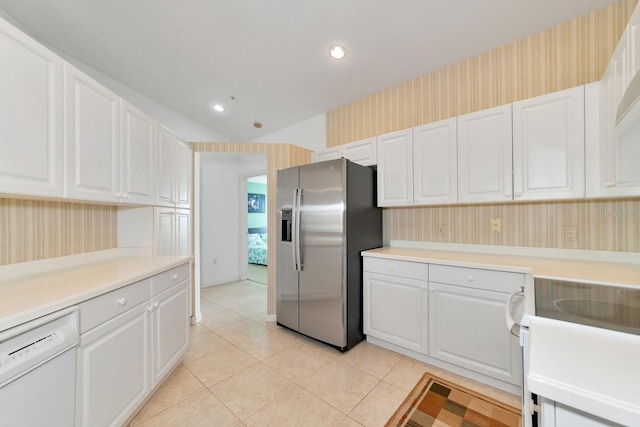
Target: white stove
[{"x": 581, "y": 347}]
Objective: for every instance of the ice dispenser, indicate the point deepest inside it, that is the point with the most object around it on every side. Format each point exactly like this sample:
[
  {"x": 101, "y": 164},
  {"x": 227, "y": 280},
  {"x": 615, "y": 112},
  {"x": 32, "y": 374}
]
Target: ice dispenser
[{"x": 287, "y": 214}]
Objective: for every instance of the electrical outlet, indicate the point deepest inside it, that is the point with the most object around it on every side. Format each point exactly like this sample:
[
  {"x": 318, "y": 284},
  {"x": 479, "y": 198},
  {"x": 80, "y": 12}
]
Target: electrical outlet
[
  {"x": 496, "y": 224},
  {"x": 442, "y": 230},
  {"x": 570, "y": 233}
]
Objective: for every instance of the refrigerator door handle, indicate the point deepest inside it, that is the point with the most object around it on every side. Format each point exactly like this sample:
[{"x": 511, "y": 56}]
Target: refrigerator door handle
[{"x": 295, "y": 229}]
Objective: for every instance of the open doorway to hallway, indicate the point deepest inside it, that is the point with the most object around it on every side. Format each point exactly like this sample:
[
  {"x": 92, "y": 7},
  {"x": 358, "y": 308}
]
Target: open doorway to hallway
[{"x": 257, "y": 253}]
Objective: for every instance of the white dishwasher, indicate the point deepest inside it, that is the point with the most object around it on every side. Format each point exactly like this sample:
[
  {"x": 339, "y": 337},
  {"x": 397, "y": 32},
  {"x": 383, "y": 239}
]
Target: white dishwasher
[{"x": 37, "y": 371}]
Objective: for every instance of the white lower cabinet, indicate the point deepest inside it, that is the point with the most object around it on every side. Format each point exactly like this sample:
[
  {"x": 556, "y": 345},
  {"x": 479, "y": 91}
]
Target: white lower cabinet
[
  {"x": 395, "y": 309},
  {"x": 131, "y": 338},
  {"x": 452, "y": 317}
]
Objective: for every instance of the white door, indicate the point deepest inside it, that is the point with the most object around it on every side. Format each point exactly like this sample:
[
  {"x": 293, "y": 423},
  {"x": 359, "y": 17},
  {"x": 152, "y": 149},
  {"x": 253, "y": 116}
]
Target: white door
[
  {"x": 435, "y": 158},
  {"x": 484, "y": 156},
  {"x": 467, "y": 329},
  {"x": 31, "y": 146},
  {"x": 170, "y": 329},
  {"x": 92, "y": 139},
  {"x": 137, "y": 154},
  {"x": 548, "y": 146},
  {"x": 113, "y": 369},
  {"x": 395, "y": 169},
  {"x": 395, "y": 310}
]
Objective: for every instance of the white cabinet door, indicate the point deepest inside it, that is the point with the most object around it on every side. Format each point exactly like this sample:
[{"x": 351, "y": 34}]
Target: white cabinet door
[
  {"x": 31, "y": 146},
  {"x": 395, "y": 310},
  {"x": 183, "y": 232},
  {"x": 92, "y": 140},
  {"x": 466, "y": 328},
  {"x": 484, "y": 156},
  {"x": 328, "y": 154},
  {"x": 548, "y": 146},
  {"x": 174, "y": 168},
  {"x": 435, "y": 160},
  {"x": 164, "y": 238},
  {"x": 165, "y": 180},
  {"x": 113, "y": 369},
  {"x": 137, "y": 155},
  {"x": 395, "y": 169},
  {"x": 183, "y": 175},
  {"x": 363, "y": 152},
  {"x": 170, "y": 330},
  {"x": 554, "y": 414}
]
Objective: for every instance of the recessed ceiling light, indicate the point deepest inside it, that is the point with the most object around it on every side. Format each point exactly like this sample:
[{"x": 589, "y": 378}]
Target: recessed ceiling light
[
  {"x": 219, "y": 108},
  {"x": 337, "y": 52}
]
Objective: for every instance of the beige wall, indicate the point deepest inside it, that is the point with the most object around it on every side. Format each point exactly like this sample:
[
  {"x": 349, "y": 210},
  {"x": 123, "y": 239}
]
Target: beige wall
[
  {"x": 31, "y": 230},
  {"x": 279, "y": 156},
  {"x": 565, "y": 56}
]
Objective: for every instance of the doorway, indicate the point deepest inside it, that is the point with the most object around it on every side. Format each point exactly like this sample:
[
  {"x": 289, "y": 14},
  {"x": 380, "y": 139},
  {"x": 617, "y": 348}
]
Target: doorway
[{"x": 257, "y": 253}]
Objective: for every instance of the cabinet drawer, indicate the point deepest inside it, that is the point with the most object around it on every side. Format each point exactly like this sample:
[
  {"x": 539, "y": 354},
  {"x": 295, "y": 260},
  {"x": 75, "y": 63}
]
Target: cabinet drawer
[
  {"x": 410, "y": 270},
  {"x": 490, "y": 280},
  {"x": 163, "y": 281},
  {"x": 105, "y": 307}
]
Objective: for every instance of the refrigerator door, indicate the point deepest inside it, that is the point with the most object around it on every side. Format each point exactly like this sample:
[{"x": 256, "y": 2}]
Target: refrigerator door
[
  {"x": 322, "y": 286},
  {"x": 287, "y": 276}
]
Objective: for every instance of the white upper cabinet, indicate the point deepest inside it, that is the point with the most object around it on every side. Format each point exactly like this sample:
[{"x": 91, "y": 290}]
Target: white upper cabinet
[
  {"x": 31, "y": 146},
  {"x": 137, "y": 175},
  {"x": 395, "y": 169},
  {"x": 173, "y": 170},
  {"x": 612, "y": 160},
  {"x": 435, "y": 171},
  {"x": 328, "y": 154},
  {"x": 548, "y": 146},
  {"x": 362, "y": 152},
  {"x": 92, "y": 139},
  {"x": 484, "y": 156}
]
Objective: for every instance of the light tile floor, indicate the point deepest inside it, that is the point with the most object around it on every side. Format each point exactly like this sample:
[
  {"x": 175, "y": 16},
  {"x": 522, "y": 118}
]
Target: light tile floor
[{"x": 243, "y": 371}]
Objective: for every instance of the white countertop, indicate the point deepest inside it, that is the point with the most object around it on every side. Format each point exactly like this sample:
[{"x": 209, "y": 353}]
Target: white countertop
[
  {"x": 29, "y": 295},
  {"x": 575, "y": 269}
]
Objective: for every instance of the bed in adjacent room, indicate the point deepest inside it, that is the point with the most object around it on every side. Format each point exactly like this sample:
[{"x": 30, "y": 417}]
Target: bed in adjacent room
[{"x": 257, "y": 245}]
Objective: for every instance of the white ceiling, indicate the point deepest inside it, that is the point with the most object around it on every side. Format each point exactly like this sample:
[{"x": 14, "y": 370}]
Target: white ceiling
[{"x": 272, "y": 56}]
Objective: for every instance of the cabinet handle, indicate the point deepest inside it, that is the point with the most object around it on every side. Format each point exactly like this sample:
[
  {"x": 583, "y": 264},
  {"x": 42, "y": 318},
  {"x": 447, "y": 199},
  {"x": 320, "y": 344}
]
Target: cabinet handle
[
  {"x": 392, "y": 268},
  {"x": 174, "y": 277},
  {"x": 518, "y": 194},
  {"x": 610, "y": 184},
  {"x": 470, "y": 278},
  {"x": 122, "y": 301},
  {"x": 150, "y": 309},
  {"x": 155, "y": 305},
  {"x": 507, "y": 195},
  {"x": 424, "y": 288}
]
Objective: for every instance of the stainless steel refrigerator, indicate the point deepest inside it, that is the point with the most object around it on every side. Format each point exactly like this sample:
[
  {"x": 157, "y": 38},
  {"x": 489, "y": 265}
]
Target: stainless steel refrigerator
[{"x": 327, "y": 215}]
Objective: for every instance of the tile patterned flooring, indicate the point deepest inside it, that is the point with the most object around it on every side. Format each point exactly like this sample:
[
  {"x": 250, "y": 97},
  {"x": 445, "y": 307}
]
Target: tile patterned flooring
[{"x": 242, "y": 371}]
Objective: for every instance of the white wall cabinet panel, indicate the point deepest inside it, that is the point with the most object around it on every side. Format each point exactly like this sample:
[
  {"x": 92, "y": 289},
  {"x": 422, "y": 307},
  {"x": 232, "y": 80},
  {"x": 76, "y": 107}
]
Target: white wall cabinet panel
[
  {"x": 362, "y": 152},
  {"x": 435, "y": 169},
  {"x": 548, "y": 146},
  {"x": 113, "y": 369},
  {"x": 92, "y": 139},
  {"x": 137, "y": 155},
  {"x": 395, "y": 168},
  {"x": 172, "y": 234},
  {"x": 174, "y": 166},
  {"x": 328, "y": 154},
  {"x": 31, "y": 114},
  {"x": 485, "y": 156}
]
